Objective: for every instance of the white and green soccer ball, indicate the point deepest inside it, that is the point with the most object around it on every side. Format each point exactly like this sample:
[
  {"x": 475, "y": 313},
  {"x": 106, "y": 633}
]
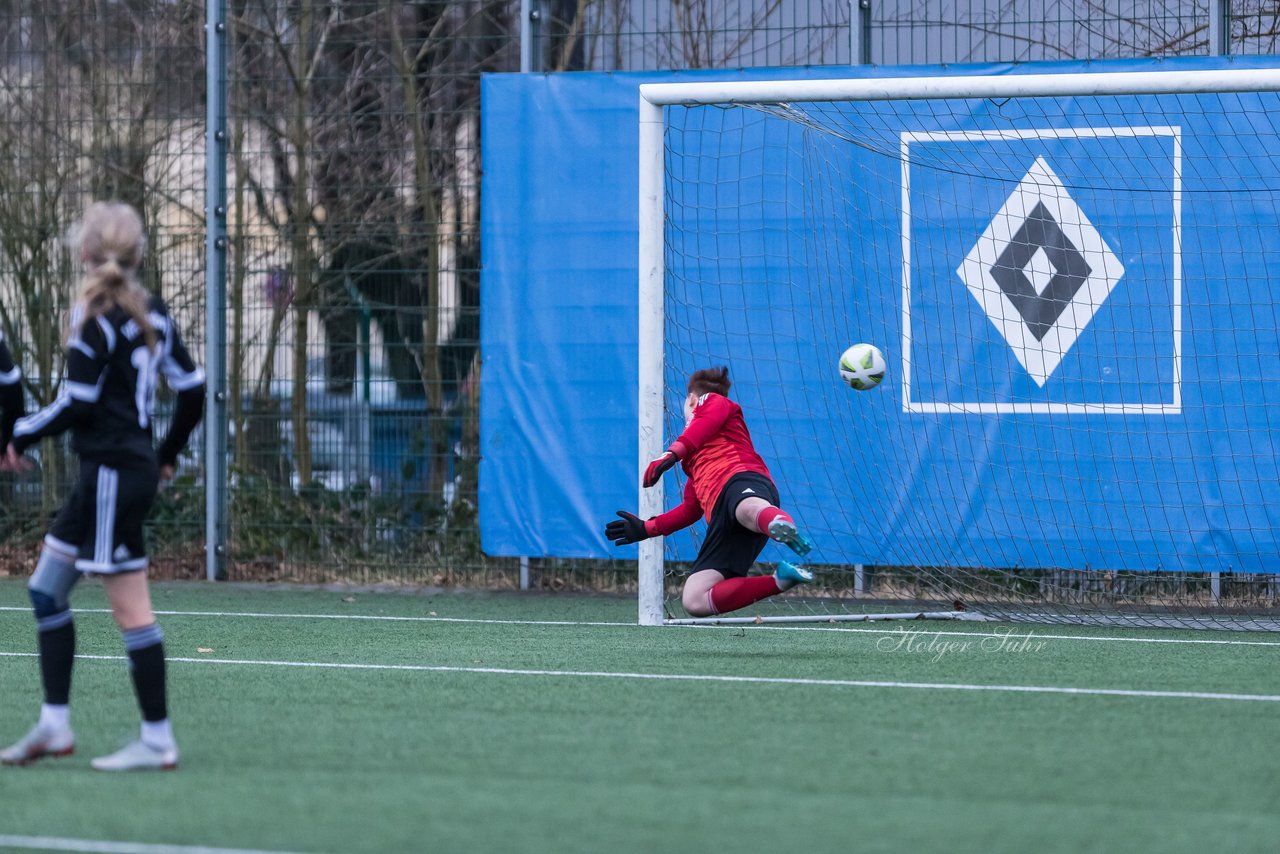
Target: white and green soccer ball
[{"x": 862, "y": 366}]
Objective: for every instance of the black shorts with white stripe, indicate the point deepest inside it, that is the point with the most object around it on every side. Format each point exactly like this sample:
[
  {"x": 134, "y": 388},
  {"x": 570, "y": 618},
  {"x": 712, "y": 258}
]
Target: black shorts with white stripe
[{"x": 101, "y": 522}]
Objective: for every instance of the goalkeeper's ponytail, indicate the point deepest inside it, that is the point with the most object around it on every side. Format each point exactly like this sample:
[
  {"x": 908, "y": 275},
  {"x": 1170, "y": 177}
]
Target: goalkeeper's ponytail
[{"x": 710, "y": 380}]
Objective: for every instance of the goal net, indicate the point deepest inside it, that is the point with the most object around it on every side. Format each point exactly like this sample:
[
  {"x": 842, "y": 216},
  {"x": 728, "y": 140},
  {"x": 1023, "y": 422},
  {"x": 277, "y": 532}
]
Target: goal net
[{"x": 1075, "y": 282}]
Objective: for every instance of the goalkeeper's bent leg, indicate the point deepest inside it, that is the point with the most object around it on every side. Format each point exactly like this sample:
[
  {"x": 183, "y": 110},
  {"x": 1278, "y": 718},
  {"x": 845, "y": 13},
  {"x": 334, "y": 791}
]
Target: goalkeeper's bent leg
[
  {"x": 756, "y": 514},
  {"x": 697, "y": 592},
  {"x": 731, "y": 594},
  {"x": 734, "y": 593}
]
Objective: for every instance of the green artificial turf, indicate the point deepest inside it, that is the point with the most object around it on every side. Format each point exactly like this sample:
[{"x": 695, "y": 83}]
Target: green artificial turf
[{"x": 586, "y": 756}]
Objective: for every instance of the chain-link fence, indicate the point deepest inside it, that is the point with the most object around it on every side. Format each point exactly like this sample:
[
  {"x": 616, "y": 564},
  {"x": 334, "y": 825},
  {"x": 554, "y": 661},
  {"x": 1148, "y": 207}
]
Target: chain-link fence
[
  {"x": 352, "y": 318},
  {"x": 354, "y": 284},
  {"x": 352, "y": 295},
  {"x": 1045, "y": 30},
  {"x": 647, "y": 34},
  {"x": 100, "y": 101}
]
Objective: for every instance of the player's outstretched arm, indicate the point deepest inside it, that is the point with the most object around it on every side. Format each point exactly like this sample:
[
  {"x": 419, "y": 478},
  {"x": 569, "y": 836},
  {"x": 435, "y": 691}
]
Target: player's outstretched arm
[
  {"x": 629, "y": 528},
  {"x": 657, "y": 468}
]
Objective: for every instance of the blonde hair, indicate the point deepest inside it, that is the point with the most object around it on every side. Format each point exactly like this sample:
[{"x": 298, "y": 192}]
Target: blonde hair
[{"x": 112, "y": 242}]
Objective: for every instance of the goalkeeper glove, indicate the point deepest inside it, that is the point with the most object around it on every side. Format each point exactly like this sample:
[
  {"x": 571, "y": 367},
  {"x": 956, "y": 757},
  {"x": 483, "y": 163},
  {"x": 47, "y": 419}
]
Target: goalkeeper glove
[
  {"x": 659, "y": 467},
  {"x": 626, "y": 530}
]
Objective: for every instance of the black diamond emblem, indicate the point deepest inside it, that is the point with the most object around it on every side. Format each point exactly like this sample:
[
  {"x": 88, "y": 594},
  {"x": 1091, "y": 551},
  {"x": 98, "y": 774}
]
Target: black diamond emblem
[{"x": 1040, "y": 311}]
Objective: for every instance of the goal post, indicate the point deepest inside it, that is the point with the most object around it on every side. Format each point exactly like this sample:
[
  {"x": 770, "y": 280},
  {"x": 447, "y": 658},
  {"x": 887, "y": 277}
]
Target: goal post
[
  {"x": 1041, "y": 219},
  {"x": 650, "y": 350}
]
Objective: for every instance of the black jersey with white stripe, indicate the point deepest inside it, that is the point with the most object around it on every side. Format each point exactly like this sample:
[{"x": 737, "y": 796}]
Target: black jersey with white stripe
[{"x": 108, "y": 395}]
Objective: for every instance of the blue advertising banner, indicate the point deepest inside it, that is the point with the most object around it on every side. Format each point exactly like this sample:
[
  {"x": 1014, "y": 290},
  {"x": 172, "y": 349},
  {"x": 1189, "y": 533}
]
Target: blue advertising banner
[{"x": 1083, "y": 350}]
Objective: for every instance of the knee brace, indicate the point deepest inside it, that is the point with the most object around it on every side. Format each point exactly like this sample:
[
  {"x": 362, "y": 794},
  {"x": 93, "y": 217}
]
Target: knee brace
[
  {"x": 44, "y": 604},
  {"x": 50, "y": 585},
  {"x": 50, "y": 613}
]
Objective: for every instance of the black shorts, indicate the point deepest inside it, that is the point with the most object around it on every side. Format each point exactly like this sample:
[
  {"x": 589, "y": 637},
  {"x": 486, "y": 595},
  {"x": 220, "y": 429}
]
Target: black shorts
[
  {"x": 101, "y": 521},
  {"x": 729, "y": 547}
]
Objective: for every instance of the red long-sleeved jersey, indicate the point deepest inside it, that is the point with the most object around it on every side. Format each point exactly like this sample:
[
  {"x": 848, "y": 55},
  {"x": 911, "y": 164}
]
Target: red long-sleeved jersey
[{"x": 714, "y": 447}]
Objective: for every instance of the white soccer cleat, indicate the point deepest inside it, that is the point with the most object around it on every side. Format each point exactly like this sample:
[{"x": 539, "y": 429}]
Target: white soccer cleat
[
  {"x": 138, "y": 756},
  {"x": 38, "y": 743}
]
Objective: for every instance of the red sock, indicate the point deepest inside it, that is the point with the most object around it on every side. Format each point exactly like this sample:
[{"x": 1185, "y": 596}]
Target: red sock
[
  {"x": 734, "y": 593},
  {"x": 768, "y": 514}
]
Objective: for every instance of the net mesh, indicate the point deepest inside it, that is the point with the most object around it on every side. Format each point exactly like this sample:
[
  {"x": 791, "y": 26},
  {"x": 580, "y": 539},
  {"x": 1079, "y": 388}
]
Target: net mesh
[{"x": 1075, "y": 301}]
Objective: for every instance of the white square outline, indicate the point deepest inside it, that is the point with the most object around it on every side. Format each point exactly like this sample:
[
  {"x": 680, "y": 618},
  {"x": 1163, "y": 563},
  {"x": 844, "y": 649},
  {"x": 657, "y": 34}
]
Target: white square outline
[{"x": 1174, "y": 408}]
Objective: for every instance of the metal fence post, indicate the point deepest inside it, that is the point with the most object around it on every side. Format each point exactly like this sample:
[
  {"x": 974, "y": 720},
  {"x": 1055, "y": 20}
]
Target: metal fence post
[
  {"x": 528, "y": 27},
  {"x": 528, "y": 24},
  {"x": 216, "y": 289},
  {"x": 860, "y": 31},
  {"x": 1219, "y": 27}
]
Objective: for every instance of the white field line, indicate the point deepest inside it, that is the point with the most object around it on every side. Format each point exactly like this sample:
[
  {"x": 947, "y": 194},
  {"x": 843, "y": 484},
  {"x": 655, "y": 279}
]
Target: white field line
[
  {"x": 357, "y": 617},
  {"x": 703, "y": 677},
  {"x": 54, "y": 843},
  {"x": 590, "y": 624},
  {"x": 1012, "y": 635}
]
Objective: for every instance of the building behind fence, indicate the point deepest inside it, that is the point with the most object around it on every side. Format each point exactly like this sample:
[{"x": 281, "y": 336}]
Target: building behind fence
[{"x": 352, "y": 319}]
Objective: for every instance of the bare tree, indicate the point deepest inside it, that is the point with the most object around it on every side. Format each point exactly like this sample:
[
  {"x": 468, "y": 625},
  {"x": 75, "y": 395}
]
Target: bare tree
[
  {"x": 626, "y": 34},
  {"x": 81, "y": 104},
  {"x": 38, "y": 184},
  {"x": 365, "y": 168},
  {"x": 280, "y": 54}
]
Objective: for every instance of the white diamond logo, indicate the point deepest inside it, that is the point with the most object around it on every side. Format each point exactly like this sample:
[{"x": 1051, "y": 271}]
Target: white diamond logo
[{"x": 1040, "y": 271}]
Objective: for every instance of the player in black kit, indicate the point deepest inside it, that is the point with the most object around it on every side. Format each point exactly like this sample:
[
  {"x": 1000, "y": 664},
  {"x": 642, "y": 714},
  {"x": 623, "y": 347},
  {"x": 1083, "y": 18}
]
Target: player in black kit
[
  {"x": 121, "y": 341},
  {"x": 10, "y": 394}
]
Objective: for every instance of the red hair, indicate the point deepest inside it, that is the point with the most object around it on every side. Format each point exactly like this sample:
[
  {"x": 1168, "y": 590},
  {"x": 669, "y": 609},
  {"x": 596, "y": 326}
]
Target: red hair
[{"x": 708, "y": 380}]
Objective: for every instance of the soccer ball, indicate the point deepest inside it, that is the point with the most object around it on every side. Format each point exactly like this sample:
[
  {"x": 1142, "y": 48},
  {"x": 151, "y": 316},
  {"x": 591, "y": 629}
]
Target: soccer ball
[{"x": 862, "y": 366}]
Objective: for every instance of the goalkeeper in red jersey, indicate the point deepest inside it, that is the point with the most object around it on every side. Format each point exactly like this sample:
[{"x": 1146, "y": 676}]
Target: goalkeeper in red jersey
[{"x": 729, "y": 483}]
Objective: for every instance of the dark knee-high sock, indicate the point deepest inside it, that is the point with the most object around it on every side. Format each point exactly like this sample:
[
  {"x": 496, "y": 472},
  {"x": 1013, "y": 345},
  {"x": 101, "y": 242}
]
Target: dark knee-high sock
[
  {"x": 49, "y": 589},
  {"x": 734, "y": 593},
  {"x": 56, "y": 636},
  {"x": 145, "y": 646}
]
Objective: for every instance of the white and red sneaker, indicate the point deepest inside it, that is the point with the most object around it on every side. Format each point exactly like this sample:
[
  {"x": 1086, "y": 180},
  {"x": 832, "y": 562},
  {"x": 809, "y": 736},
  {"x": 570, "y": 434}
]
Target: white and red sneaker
[
  {"x": 38, "y": 743},
  {"x": 138, "y": 756}
]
